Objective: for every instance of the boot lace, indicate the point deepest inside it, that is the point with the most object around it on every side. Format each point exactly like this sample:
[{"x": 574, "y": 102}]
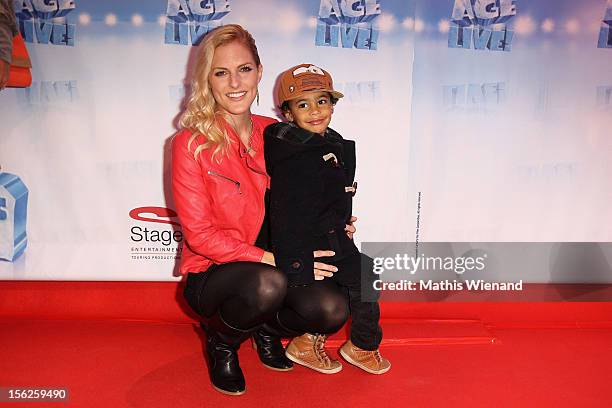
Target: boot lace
[
  {"x": 377, "y": 356},
  {"x": 319, "y": 348}
]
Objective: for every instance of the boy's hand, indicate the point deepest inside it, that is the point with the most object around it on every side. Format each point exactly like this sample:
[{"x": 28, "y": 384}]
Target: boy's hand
[
  {"x": 350, "y": 228},
  {"x": 323, "y": 270}
]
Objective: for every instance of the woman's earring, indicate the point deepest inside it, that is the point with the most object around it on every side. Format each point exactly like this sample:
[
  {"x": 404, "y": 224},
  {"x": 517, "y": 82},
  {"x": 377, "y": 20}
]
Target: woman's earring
[{"x": 257, "y": 96}]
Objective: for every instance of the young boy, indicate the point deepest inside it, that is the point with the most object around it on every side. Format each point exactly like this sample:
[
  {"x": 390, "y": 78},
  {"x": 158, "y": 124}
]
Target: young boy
[{"x": 312, "y": 170}]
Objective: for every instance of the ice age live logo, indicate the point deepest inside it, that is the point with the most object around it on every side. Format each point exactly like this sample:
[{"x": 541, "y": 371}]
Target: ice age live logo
[
  {"x": 605, "y": 33},
  {"x": 481, "y": 24},
  {"x": 44, "y": 21},
  {"x": 189, "y": 20},
  {"x": 349, "y": 23}
]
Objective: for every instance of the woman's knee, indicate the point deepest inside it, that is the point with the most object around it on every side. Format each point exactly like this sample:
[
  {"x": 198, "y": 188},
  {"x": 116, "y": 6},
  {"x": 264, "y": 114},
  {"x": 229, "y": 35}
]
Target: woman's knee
[
  {"x": 334, "y": 313},
  {"x": 270, "y": 290}
]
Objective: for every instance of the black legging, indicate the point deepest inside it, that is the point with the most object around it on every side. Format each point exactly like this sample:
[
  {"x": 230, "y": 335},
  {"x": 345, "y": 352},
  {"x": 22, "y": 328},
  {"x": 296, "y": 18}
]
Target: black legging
[{"x": 248, "y": 294}]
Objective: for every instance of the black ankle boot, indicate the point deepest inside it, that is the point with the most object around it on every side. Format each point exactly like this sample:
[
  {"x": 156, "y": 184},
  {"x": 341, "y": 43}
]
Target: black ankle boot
[
  {"x": 222, "y": 345},
  {"x": 267, "y": 339},
  {"x": 271, "y": 351}
]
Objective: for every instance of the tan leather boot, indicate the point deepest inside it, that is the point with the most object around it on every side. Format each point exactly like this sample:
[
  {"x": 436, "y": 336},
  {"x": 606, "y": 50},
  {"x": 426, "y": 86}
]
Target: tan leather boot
[
  {"x": 309, "y": 351},
  {"x": 370, "y": 361}
]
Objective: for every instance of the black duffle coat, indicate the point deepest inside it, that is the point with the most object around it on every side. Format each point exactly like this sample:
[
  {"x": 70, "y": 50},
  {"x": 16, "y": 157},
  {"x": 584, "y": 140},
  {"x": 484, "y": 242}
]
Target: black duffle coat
[{"x": 311, "y": 190}]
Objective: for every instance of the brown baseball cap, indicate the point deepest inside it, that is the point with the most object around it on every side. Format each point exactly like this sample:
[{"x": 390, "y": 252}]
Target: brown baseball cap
[{"x": 303, "y": 78}]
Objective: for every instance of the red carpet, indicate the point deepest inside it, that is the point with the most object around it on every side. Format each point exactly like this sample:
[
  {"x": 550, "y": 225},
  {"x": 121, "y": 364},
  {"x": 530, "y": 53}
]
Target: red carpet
[{"x": 531, "y": 355}]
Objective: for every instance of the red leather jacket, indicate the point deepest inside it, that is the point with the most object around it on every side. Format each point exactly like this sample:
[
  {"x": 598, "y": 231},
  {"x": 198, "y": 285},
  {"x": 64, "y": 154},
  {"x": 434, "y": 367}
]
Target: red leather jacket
[{"x": 220, "y": 205}]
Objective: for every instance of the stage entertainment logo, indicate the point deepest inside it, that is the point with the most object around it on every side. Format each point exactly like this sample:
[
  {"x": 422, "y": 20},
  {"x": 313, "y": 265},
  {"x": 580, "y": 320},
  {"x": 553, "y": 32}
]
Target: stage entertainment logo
[
  {"x": 605, "y": 33},
  {"x": 189, "y": 20},
  {"x": 348, "y": 23},
  {"x": 481, "y": 25},
  {"x": 44, "y": 21},
  {"x": 13, "y": 215},
  {"x": 155, "y": 236}
]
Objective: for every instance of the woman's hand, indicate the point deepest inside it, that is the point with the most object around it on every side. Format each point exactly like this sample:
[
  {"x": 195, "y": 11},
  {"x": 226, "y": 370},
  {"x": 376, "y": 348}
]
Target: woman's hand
[
  {"x": 350, "y": 228},
  {"x": 268, "y": 258},
  {"x": 323, "y": 270}
]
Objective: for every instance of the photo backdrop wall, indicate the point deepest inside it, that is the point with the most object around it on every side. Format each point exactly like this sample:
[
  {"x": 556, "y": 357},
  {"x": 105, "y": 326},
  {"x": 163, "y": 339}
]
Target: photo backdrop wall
[{"x": 485, "y": 120}]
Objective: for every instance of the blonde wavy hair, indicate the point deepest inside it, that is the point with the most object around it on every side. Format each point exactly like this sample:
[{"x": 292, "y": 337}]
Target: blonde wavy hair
[{"x": 201, "y": 115}]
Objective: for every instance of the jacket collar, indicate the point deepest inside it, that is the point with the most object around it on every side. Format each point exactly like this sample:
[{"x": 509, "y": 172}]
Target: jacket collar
[{"x": 296, "y": 134}]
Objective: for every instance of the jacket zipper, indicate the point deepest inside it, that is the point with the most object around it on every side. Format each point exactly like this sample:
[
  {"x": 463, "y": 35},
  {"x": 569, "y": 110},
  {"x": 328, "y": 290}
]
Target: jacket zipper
[{"x": 237, "y": 183}]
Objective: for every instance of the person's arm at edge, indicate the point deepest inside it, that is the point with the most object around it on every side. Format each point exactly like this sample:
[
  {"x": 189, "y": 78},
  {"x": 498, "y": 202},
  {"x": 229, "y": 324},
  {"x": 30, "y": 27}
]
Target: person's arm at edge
[{"x": 8, "y": 29}]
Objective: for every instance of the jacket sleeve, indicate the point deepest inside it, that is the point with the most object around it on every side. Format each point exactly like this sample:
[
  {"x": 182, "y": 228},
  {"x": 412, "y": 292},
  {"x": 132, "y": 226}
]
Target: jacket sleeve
[
  {"x": 293, "y": 217},
  {"x": 8, "y": 29},
  {"x": 194, "y": 208}
]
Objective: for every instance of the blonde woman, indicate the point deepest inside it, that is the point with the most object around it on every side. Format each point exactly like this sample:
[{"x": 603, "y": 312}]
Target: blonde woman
[{"x": 219, "y": 183}]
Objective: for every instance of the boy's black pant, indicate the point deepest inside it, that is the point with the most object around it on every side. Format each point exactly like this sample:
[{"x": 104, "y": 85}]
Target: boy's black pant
[{"x": 356, "y": 278}]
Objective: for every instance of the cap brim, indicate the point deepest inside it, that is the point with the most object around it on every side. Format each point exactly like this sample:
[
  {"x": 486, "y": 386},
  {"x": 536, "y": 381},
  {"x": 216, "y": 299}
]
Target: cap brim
[{"x": 335, "y": 94}]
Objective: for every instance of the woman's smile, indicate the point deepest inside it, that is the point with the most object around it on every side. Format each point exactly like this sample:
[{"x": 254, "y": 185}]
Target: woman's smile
[{"x": 237, "y": 96}]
